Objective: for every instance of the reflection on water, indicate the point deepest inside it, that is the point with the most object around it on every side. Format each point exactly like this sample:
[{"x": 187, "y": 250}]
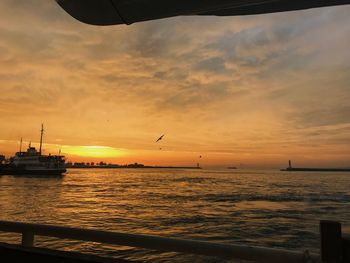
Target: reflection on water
[{"x": 267, "y": 208}]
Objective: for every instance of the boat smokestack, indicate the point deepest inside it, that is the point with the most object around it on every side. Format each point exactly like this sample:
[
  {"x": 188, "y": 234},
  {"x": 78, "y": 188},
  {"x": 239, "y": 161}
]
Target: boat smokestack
[
  {"x": 41, "y": 137},
  {"x": 290, "y": 164}
]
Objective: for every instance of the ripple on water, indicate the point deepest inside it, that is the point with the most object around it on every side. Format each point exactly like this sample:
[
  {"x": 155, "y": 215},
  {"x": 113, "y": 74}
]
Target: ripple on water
[{"x": 265, "y": 208}]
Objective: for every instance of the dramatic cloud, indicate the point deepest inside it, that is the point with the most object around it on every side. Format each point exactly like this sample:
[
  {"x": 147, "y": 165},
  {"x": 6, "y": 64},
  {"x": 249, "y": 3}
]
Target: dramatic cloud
[{"x": 254, "y": 89}]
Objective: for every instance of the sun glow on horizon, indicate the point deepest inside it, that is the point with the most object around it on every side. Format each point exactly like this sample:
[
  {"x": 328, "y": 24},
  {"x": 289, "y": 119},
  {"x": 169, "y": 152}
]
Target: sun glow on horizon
[{"x": 93, "y": 151}]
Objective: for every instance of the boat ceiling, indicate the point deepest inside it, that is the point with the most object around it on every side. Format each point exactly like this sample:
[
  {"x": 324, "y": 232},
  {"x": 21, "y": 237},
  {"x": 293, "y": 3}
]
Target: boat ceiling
[{"x": 113, "y": 12}]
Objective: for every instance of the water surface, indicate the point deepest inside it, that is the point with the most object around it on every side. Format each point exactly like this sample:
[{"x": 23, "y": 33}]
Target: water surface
[{"x": 260, "y": 207}]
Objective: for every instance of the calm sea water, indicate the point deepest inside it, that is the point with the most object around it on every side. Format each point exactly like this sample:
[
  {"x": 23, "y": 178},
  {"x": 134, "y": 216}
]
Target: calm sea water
[{"x": 265, "y": 208}]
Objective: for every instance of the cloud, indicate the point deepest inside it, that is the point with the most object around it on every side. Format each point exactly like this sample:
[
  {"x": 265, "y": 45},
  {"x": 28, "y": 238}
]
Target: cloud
[
  {"x": 214, "y": 64},
  {"x": 323, "y": 116},
  {"x": 262, "y": 82}
]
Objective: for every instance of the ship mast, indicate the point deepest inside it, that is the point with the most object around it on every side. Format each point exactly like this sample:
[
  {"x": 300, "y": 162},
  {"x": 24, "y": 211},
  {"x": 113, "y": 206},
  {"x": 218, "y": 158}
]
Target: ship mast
[
  {"x": 41, "y": 137},
  {"x": 20, "y": 146}
]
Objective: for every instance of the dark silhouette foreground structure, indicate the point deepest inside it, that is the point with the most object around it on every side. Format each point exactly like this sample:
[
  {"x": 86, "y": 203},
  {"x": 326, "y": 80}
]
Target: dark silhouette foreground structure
[
  {"x": 335, "y": 247},
  {"x": 113, "y": 12}
]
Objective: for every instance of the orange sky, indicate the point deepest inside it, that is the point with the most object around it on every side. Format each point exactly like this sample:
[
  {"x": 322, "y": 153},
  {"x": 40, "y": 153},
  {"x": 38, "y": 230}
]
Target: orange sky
[{"x": 255, "y": 90}]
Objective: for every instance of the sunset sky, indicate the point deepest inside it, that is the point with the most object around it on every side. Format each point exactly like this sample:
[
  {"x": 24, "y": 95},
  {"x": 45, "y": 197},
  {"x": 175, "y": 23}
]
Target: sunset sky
[{"x": 254, "y": 90}]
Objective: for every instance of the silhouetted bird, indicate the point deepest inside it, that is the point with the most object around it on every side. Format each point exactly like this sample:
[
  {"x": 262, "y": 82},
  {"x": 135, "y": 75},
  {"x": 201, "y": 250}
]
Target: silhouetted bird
[{"x": 161, "y": 137}]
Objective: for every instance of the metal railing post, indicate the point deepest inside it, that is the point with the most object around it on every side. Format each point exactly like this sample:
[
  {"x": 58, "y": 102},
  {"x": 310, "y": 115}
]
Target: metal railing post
[
  {"x": 346, "y": 248},
  {"x": 28, "y": 238},
  {"x": 331, "y": 241}
]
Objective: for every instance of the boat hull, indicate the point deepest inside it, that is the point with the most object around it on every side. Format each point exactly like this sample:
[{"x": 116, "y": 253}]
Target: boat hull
[{"x": 39, "y": 172}]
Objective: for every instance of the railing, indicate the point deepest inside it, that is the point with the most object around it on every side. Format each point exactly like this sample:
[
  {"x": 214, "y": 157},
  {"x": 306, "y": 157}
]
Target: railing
[{"x": 251, "y": 253}]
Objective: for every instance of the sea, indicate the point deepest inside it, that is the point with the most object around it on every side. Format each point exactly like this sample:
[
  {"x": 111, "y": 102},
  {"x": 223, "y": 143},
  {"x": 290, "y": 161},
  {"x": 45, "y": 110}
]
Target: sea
[{"x": 248, "y": 207}]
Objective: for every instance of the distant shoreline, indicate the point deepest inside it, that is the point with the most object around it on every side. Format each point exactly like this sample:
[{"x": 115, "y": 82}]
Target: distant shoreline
[
  {"x": 291, "y": 169},
  {"x": 130, "y": 167}
]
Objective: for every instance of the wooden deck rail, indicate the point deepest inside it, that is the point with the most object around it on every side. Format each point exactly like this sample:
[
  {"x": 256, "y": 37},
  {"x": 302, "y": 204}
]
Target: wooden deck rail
[{"x": 252, "y": 253}]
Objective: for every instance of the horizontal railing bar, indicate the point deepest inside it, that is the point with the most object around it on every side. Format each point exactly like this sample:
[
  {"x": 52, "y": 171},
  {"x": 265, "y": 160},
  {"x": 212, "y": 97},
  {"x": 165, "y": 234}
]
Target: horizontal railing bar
[{"x": 260, "y": 254}]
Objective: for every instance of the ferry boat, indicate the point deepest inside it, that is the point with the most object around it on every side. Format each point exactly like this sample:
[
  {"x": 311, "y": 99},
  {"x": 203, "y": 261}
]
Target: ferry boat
[{"x": 33, "y": 162}]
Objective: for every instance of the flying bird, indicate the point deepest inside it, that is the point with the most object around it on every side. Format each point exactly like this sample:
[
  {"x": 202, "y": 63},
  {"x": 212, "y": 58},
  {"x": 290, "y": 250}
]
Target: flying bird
[{"x": 161, "y": 137}]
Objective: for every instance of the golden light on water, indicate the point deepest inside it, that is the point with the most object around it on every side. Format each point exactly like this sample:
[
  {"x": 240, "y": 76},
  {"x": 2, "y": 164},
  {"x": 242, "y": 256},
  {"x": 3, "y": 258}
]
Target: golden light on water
[{"x": 93, "y": 151}]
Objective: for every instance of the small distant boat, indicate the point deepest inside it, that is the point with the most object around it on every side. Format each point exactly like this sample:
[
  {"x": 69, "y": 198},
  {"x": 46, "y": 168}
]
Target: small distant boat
[
  {"x": 232, "y": 167},
  {"x": 33, "y": 162}
]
